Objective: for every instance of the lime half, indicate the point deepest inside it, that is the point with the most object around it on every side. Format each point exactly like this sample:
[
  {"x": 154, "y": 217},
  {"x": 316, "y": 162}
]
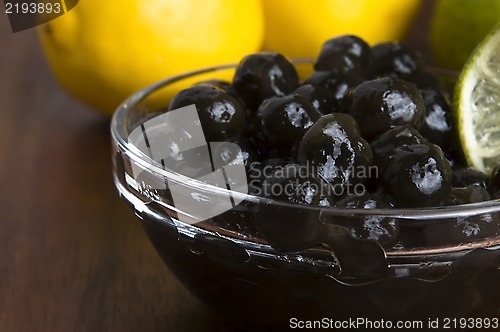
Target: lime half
[{"x": 477, "y": 104}]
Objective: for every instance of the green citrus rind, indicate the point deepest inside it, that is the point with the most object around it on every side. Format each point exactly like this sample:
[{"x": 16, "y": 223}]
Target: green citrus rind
[{"x": 476, "y": 104}]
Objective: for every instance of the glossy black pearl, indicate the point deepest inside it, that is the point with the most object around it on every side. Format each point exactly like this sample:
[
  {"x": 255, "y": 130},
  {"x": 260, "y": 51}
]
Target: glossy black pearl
[
  {"x": 337, "y": 82},
  {"x": 396, "y": 60},
  {"x": 281, "y": 121},
  {"x": 242, "y": 151},
  {"x": 264, "y": 75},
  {"x": 394, "y": 138},
  {"x": 223, "y": 85},
  {"x": 334, "y": 147},
  {"x": 494, "y": 183},
  {"x": 381, "y": 104},
  {"x": 437, "y": 126},
  {"x": 347, "y": 54},
  {"x": 426, "y": 80},
  {"x": 294, "y": 183},
  {"x": 220, "y": 113},
  {"x": 376, "y": 228},
  {"x": 464, "y": 176},
  {"x": 468, "y": 194},
  {"x": 322, "y": 99},
  {"x": 417, "y": 176}
]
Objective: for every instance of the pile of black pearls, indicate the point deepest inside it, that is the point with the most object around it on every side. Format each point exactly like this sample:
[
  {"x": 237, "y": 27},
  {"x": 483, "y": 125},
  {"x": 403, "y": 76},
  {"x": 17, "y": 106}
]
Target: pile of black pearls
[{"x": 369, "y": 128}]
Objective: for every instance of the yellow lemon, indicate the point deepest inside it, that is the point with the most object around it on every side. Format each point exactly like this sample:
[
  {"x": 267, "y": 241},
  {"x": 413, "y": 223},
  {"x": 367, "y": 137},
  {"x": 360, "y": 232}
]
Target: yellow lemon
[
  {"x": 298, "y": 28},
  {"x": 458, "y": 26},
  {"x": 102, "y": 51}
]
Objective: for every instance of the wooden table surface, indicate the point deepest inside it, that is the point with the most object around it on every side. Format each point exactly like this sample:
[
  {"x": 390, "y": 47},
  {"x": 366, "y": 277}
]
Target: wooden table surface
[{"x": 72, "y": 255}]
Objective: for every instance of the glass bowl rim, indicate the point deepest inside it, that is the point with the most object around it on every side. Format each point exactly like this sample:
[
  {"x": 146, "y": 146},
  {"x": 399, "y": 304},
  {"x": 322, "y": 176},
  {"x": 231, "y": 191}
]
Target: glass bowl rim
[{"x": 119, "y": 136}]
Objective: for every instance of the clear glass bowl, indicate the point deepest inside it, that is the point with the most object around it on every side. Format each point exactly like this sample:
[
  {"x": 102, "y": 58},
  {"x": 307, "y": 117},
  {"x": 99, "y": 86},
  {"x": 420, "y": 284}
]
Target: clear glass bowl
[{"x": 439, "y": 263}]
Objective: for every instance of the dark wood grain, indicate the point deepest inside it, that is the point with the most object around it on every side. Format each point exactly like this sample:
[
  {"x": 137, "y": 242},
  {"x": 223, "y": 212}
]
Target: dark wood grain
[{"x": 72, "y": 255}]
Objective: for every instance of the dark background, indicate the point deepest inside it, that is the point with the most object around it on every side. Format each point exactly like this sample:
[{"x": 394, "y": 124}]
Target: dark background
[{"x": 72, "y": 255}]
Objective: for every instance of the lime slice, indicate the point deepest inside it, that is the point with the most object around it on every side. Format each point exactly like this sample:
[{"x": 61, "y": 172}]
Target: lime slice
[{"x": 477, "y": 104}]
